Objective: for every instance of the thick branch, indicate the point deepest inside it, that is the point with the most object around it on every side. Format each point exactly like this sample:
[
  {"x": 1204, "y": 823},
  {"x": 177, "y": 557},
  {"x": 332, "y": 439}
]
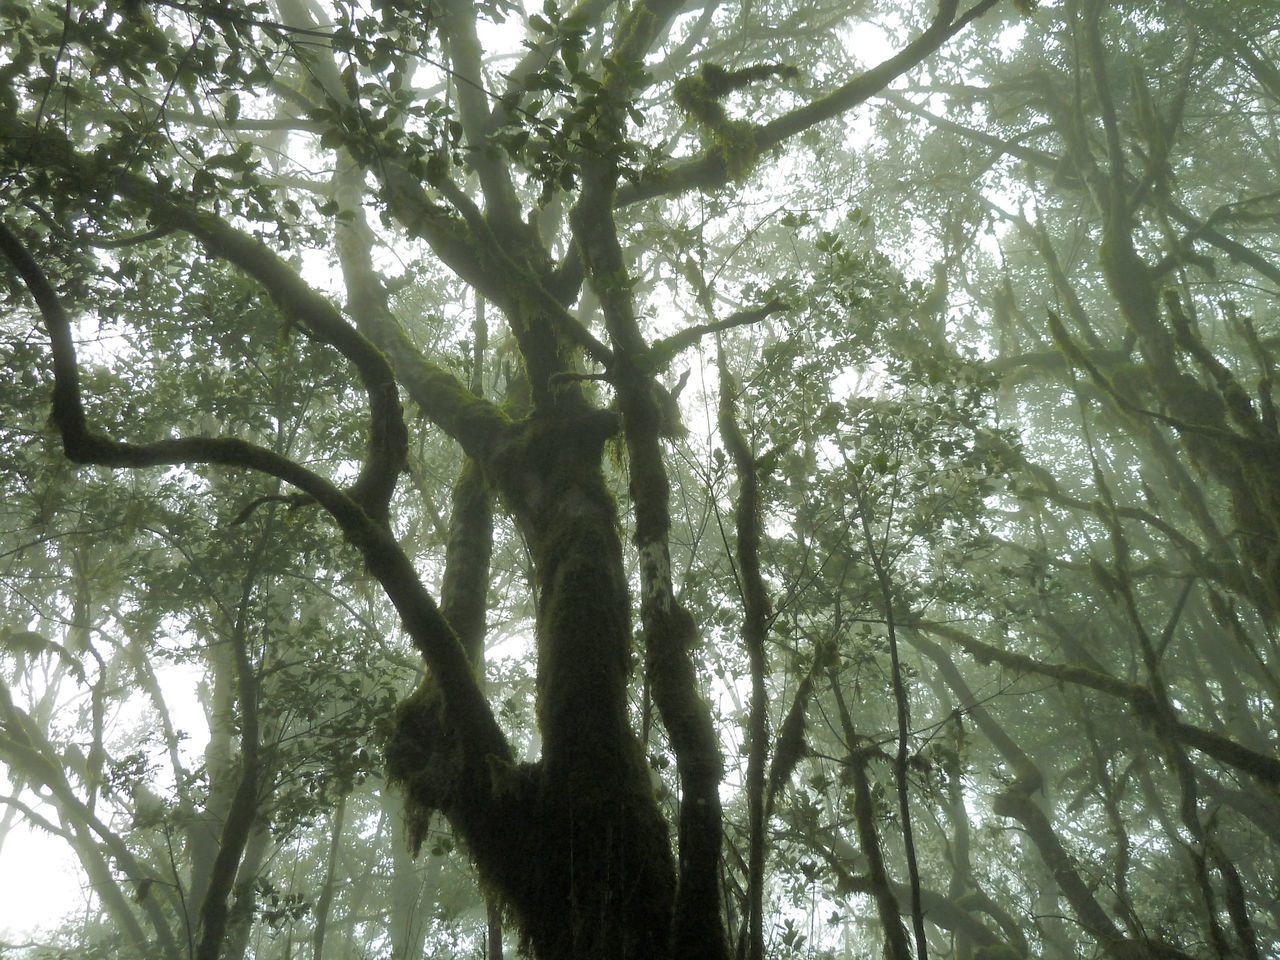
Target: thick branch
[
  {"x": 708, "y": 171},
  {"x": 1238, "y": 252},
  {"x": 388, "y": 438},
  {"x": 457, "y": 25},
  {"x": 944, "y": 26},
  {"x": 669, "y": 630},
  {"x": 382, "y": 554},
  {"x": 474, "y": 422}
]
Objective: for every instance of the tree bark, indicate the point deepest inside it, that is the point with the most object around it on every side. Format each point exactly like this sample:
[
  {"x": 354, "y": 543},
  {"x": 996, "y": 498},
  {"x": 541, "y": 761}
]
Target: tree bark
[{"x": 755, "y": 629}]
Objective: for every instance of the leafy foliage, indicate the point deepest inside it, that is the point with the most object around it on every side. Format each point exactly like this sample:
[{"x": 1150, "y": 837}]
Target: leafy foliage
[{"x": 741, "y": 497}]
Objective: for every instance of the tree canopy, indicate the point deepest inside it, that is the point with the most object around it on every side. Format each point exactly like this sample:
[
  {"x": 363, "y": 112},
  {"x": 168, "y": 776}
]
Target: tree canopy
[{"x": 643, "y": 479}]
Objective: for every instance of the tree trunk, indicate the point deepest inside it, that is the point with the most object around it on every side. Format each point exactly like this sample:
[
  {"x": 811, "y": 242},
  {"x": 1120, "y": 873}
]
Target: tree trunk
[
  {"x": 597, "y": 877},
  {"x": 575, "y": 844},
  {"x": 325, "y": 900}
]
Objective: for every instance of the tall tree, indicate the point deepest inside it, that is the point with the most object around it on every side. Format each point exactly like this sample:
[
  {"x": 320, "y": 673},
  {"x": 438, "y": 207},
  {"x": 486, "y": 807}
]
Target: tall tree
[{"x": 868, "y": 468}]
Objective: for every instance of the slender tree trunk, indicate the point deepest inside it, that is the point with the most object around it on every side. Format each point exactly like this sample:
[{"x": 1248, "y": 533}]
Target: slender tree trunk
[
  {"x": 245, "y": 893},
  {"x": 242, "y": 816},
  {"x": 412, "y": 888},
  {"x": 202, "y": 834},
  {"x": 755, "y": 630},
  {"x": 325, "y": 900}
]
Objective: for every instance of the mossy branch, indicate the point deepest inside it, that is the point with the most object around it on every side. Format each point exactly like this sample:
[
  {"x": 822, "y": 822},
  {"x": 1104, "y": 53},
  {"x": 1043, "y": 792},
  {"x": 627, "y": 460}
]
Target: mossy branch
[
  {"x": 474, "y": 422},
  {"x": 708, "y": 171},
  {"x": 383, "y": 557},
  {"x": 387, "y": 436},
  {"x": 701, "y": 97}
]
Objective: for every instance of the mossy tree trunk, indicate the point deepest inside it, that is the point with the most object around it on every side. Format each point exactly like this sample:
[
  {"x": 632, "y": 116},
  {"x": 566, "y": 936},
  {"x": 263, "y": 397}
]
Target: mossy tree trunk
[{"x": 575, "y": 845}]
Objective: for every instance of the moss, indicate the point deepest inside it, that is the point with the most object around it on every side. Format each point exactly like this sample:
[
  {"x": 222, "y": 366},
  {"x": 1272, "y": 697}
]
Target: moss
[
  {"x": 699, "y": 95},
  {"x": 693, "y": 95},
  {"x": 736, "y": 143},
  {"x": 418, "y": 761},
  {"x": 636, "y": 34}
]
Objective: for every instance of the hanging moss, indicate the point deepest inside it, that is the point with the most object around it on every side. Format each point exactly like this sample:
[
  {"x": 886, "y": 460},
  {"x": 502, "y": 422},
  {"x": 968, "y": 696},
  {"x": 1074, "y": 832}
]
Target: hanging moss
[
  {"x": 421, "y": 761},
  {"x": 700, "y": 96}
]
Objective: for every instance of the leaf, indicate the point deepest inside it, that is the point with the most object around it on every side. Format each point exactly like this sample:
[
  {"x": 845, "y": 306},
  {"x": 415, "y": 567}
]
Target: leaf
[{"x": 350, "y": 82}]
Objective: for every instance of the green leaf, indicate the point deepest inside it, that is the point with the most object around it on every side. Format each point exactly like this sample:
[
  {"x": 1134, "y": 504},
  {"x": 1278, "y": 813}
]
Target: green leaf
[{"x": 350, "y": 82}]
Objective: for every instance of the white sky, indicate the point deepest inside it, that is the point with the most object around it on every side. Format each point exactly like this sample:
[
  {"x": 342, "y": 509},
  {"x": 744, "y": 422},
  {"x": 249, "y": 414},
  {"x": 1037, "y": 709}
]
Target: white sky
[{"x": 40, "y": 882}]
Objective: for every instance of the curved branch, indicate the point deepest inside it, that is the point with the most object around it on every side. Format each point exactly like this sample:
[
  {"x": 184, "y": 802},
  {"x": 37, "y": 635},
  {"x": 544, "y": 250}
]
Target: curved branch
[
  {"x": 388, "y": 437},
  {"x": 1238, "y": 252},
  {"x": 708, "y": 171},
  {"x": 943, "y": 27},
  {"x": 1198, "y": 229},
  {"x": 383, "y": 557}
]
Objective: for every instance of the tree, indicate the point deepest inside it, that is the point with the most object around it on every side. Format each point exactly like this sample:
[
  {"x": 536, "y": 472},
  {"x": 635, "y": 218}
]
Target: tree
[
  {"x": 1104, "y": 116},
  {"x": 905, "y": 561}
]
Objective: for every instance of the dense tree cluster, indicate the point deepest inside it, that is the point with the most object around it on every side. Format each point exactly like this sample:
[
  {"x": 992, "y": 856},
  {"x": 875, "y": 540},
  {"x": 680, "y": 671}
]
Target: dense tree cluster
[{"x": 643, "y": 478}]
